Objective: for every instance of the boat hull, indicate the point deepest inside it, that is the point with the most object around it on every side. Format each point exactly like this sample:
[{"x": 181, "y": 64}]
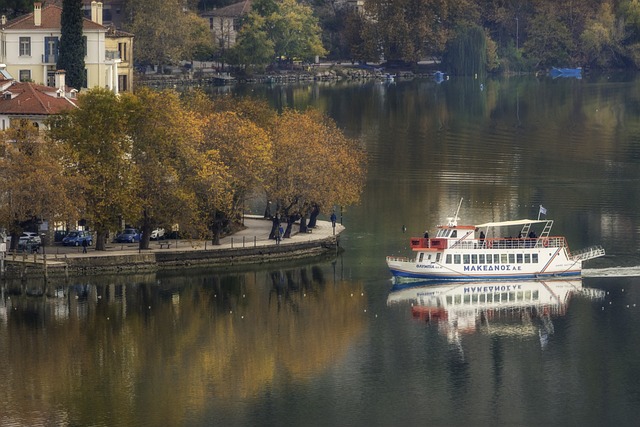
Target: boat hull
[{"x": 413, "y": 270}]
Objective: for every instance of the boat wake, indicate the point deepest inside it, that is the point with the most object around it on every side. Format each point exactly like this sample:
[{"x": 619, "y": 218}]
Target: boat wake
[{"x": 611, "y": 272}]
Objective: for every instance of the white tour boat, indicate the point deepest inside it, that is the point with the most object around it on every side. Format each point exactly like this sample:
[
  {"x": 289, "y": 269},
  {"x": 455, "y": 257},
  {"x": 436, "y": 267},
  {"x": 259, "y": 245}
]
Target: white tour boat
[{"x": 467, "y": 253}]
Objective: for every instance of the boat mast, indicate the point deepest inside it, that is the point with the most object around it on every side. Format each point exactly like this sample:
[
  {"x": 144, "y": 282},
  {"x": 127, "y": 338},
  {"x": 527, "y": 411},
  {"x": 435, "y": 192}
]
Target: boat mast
[{"x": 453, "y": 222}]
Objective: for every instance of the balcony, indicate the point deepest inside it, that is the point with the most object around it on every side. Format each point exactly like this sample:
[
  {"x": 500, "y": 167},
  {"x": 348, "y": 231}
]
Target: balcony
[
  {"x": 50, "y": 58},
  {"x": 111, "y": 55}
]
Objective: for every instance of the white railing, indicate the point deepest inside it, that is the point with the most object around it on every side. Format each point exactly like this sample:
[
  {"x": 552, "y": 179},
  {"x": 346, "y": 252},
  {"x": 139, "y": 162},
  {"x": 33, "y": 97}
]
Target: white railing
[{"x": 588, "y": 253}]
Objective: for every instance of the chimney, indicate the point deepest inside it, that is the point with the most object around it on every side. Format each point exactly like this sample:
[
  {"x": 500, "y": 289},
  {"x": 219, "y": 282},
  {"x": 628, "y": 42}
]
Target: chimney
[
  {"x": 96, "y": 12},
  {"x": 37, "y": 14},
  {"x": 59, "y": 81},
  {"x": 3, "y": 20}
]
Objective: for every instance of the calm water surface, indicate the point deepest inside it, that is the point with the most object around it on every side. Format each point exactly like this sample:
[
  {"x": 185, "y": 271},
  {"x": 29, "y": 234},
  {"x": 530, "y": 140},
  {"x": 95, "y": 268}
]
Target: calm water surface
[{"x": 332, "y": 342}]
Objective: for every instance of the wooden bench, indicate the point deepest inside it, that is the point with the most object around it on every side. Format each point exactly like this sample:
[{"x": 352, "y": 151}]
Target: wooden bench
[{"x": 163, "y": 244}]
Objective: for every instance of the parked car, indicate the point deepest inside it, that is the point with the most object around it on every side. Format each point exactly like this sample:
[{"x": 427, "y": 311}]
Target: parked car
[
  {"x": 156, "y": 234},
  {"x": 129, "y": 235},
  {"x": 30, "y": 234},
  {"x": 29, "y": 244},
  {"x": 75, "y": 238}
]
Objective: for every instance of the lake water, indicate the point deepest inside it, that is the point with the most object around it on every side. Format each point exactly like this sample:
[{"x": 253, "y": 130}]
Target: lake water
[{"x": 331, "y": 342}]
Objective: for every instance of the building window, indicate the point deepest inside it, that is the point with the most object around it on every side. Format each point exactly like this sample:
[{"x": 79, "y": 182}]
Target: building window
[
  {"x": 84, "y": 43},
  {"x": 123, "y": 83},
  {"x": 122, "y": 49},
  {"x": 25, "y": 46},
  {"x": 25, "y": 75}
]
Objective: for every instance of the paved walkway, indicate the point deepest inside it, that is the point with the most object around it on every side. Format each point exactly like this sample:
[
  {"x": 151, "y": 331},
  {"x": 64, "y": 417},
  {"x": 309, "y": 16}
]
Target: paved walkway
[{"x": 255, "y": 234}]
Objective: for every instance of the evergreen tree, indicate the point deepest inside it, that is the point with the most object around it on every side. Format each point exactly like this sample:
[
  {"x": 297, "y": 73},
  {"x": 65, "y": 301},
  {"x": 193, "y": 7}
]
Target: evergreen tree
[{"x": 71, "y": 57}]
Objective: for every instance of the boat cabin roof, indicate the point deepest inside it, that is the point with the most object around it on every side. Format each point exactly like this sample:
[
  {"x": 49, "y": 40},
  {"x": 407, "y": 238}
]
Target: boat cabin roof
[{"x": 514, "y": 222}]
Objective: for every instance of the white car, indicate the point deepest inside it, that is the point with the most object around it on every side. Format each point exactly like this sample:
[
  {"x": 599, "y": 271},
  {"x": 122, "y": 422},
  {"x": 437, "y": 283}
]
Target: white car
[
  {"x": 30, "y": 235},
  {"x": 157, "y": 234}
]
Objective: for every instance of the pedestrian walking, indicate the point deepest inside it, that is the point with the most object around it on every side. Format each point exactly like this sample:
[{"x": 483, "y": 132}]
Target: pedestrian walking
[{"x": 85, "y": 243}]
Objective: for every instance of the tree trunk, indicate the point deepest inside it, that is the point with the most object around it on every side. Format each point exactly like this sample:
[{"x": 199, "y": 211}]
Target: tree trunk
[
  {"x": 303, "y": 224},
  {"x": 217, "y": 231},
  {"x": 290, "y": 220},
  {"x": 146, "y": 233},
  {"x": 101, "y": 239},
  {"x": 313, "y": 216},
  {"x": 275, "y": 223}
]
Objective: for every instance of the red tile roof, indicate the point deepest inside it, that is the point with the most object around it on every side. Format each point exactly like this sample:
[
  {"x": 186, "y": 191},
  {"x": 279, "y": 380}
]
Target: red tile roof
[
  {"x": 32, "y": 99},
  {"x": 50, "y": 20}
]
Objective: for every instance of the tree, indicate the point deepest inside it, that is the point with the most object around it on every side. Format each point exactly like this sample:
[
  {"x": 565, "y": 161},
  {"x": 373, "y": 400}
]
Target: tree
[
  {"x": 467, "y": 53},
  {"x": 100, "y": 150},
  {"x": 72, "y": 45},
  {"x": 253, "y": 46},
  {"x": 33, "y": 182},
  {"x": 165, "y": 135},
  {"x": 287, "y": 27},
  {"x": 165, "y": 33},
  {"x": 549, "y": 40},
  {"x": 14, "y": 8},
  {"x": 314, "y": 167}
]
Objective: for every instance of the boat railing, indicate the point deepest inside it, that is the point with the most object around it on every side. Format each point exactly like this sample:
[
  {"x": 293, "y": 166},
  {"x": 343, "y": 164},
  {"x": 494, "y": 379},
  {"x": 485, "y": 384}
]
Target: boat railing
[
  {"x": 522, "y": 243},
  {"x": 588, "y": 253}
]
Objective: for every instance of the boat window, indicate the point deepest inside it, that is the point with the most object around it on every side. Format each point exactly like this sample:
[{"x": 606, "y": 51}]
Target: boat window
[
  {"x": 519, "y": 258},
  {"x": 449, "y": 299},
  {"x": 489, "y": 297},
  {"x": 441, "y": 233},
  {"x": 467, "y": 299},
  {"x": 527, "y": 258},
  {"x": 465, "y": 259},
  {"x": 481, "y": 259},
  {"x": 520, "y": 295},
  {"x": 454, "y": 233},
  {"x": 456, "y": 259},
  {"x": 421, "y": 257},
  {"x": 438, "y": 257},
  {"x": 527, "y": 295},
  {"x": 512, "y": 296},
  {"x": 448, "y": 259},
  {"x": 489, "y": 258},
  {"x": 483, "y": 297},
  {"x": 535, "y": 295},
  {"x": 503, "y": 258},
  {"x": 504, "y": 297},
  {"x": 474, "y": 259},
  {"x": 474, "y": 298},
  {"x": 458, "y": 299},
  {"x": 496, "y": 258},
  {"x": 512, "y": 258},
  {"x": 534, "y": 258}
]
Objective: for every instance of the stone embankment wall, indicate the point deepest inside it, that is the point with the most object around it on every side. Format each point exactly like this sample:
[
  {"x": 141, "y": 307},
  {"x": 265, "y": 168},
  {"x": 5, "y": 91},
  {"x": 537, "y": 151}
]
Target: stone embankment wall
[{"x": 166, "y": 259}]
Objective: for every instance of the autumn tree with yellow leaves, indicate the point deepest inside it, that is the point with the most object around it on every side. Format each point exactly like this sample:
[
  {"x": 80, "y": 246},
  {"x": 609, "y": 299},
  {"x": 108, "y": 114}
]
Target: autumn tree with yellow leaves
[
  {"x": 33, "y": 182},
  {"x": 164, "y": 135},
  {"x": 96, "y": 138},
  {"x": 315, "y": 167}
]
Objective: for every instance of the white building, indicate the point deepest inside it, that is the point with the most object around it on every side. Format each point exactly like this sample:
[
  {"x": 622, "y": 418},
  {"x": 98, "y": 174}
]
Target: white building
[{"x": 29, "y": 47}]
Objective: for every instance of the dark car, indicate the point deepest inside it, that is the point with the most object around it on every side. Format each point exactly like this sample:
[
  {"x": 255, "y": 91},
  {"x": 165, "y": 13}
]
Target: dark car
[
  {"x": 30, "y": 244},
  {"x": 75, "y": 238},
  {"x": 129, "y": 235}
]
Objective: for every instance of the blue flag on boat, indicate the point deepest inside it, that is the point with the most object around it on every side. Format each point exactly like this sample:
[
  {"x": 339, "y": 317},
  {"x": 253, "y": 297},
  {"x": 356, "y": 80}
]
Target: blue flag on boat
[{"x": 543, "y": 211}]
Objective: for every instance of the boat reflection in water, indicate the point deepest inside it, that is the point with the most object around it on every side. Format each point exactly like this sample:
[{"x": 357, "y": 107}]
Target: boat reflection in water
[{"x": 520, "y": 308}]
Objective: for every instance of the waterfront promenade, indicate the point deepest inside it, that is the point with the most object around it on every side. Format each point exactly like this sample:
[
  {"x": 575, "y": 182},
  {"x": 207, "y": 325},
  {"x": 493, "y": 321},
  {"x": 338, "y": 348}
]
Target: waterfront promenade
[{"x": 248, "y": 246}]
